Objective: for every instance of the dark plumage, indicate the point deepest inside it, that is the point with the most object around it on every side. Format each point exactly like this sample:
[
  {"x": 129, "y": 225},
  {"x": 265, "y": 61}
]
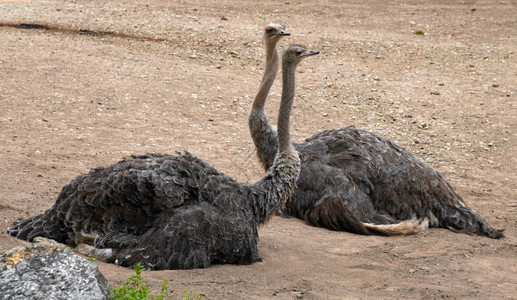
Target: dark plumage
[
  {"x": 354, "y": 180},
  {"x": 377, "y": 181},
  {"x": 171, "y": 212}
]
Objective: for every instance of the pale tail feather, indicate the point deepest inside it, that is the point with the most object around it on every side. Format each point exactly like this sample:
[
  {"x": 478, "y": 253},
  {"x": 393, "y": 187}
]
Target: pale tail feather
[{"x": 413, "y": 226}]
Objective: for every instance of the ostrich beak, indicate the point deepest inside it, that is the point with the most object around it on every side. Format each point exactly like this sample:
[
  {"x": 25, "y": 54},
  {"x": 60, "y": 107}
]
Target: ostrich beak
[
  {"x": 311, "y": 53},
  {"x": 284, "y": 33}
]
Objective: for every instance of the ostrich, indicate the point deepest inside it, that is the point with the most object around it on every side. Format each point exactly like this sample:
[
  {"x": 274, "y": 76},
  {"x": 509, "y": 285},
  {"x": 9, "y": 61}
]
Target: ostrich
[
  {"x": 354, "y": 180},
  {"x": 263, "y": 134},
  {"x": 172, "y": 212}
]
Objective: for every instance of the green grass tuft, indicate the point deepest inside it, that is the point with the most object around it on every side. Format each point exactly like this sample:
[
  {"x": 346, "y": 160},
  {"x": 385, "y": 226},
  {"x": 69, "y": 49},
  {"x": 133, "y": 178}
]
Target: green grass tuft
[
  {"x": 419, "y": 32},
  {"x": 135, "y": 289},
  {"x": 189, "y": 295}
]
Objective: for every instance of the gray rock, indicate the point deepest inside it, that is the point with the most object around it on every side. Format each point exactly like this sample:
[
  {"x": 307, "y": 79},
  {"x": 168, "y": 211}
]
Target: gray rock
[{"x": 49, "y": 270}]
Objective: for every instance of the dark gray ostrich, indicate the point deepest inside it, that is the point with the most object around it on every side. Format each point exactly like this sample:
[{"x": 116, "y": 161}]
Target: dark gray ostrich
[
  {"x": 354, "y": 180},
  {"x": 172, "y": 212},
  {"x": 263, "y": 133}
]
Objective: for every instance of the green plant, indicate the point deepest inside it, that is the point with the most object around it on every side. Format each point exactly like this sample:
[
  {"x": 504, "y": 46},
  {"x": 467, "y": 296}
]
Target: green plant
[
  {"x": 189, "y": 295},
  {"x": 91, "y": 259},
  {"x": 419, "y": 32},
  {"x": 135, "y": 289},
  {"x": 163, "y": 290}
]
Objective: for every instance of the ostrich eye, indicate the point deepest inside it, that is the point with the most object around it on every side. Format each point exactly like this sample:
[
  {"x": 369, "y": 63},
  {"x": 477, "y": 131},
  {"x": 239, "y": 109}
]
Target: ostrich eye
[
  {"x": 269, "y": 30},
  {"x": 299, "y": 52}
]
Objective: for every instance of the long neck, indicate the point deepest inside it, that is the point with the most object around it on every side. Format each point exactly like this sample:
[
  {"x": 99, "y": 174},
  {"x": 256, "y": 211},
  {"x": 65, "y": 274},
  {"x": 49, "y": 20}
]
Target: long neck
[
  {"x": 269, "y": 76},
  {"x": 263, "y": 135},
  {"x": 273, "y": 189},
  {"x": 288, "y": 85}
]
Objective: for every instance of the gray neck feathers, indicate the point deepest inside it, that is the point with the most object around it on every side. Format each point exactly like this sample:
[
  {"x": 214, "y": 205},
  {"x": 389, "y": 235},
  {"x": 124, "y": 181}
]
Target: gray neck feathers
[
  {"x": 273, "y": 189},
  {"x": 269, "y": 76},
  {"x": 288, "y": 82},
  {"x": 262, "y": 133}
]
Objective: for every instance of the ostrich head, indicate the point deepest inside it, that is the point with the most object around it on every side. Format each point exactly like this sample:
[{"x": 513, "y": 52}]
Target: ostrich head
[
  {"x": 275, "y": 32},
  {"x": 293, "y": 54}
]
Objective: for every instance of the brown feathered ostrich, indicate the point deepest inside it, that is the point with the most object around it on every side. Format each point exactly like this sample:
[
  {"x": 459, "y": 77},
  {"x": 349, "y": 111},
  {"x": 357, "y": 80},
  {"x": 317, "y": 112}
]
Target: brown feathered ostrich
[
  {"x": 354, "y": 180},
  {"x": 172, "y": 212}
]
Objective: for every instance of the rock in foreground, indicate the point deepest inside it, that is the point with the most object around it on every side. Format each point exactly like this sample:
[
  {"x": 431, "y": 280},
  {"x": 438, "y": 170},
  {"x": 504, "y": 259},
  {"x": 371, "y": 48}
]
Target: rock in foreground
[{"x": 49, "y": 270}]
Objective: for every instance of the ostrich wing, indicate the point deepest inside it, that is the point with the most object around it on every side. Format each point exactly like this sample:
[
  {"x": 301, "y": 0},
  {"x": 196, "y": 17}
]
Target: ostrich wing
[
  {"x": 123, "y": 197},
  {"x": 397, "y": 183}
]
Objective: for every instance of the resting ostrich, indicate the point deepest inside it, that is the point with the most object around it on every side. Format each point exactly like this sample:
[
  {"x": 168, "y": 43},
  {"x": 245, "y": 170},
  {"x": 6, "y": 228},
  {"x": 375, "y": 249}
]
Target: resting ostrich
[
  {"x": 263, "y": 133},
  {"x": 354, "y": 180},
  {"x": 172, "y": 212}
]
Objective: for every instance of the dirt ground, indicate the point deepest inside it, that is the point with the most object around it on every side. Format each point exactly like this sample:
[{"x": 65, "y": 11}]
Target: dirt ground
[{"x": 105, "y": 79}]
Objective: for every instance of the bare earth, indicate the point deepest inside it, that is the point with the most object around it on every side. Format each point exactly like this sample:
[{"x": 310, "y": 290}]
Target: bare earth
[{"x": 165, "y": 76}]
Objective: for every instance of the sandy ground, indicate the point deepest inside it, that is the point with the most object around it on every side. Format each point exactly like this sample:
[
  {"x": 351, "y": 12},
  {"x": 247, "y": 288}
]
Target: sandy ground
[{"x": 106, "y": 79}]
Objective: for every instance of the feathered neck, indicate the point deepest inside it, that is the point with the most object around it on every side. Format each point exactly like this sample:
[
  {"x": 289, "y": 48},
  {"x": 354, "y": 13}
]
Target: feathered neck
[
  {"x": 263, "y": 135},
  {"x": 281, "y": 178}
]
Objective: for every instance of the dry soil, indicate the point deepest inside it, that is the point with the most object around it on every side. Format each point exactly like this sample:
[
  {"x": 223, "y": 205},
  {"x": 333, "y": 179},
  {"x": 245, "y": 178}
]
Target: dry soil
[{"x": 86, "y": 83}]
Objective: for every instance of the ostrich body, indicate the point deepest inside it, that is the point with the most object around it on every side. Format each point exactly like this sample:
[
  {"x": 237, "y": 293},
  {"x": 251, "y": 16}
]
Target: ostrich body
[
  {"x": 171, "y": 212},
  {"x": 354, "y": 180}
]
